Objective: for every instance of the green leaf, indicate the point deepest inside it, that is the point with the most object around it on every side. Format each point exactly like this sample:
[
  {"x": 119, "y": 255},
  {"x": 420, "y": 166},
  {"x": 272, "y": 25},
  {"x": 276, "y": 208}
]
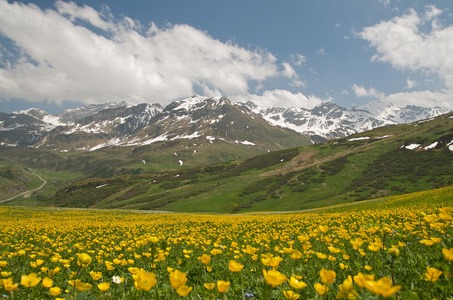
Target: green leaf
[{"x": 409, "y": 295}]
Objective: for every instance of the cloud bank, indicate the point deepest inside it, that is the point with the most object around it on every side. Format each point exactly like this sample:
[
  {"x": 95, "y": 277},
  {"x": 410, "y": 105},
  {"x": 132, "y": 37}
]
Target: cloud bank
[
  {"x": 75, "y": 53},
  {"x": 283, "y": 98}
]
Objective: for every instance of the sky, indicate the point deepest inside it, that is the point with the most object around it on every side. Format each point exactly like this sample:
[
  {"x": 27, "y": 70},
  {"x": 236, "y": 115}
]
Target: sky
[{"x": 56, "y": 55}]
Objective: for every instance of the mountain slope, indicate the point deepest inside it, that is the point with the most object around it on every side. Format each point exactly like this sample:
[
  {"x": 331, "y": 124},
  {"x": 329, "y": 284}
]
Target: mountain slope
[
  {"x": 390, "y": 160},
  {"x": 201, "y": 119},
  {"x": 329, "y": 120}
]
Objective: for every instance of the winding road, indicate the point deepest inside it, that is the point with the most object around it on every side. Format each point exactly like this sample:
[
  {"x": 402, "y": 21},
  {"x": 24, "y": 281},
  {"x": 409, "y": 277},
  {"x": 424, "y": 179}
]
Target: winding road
[{"x": 26, "y": 192}]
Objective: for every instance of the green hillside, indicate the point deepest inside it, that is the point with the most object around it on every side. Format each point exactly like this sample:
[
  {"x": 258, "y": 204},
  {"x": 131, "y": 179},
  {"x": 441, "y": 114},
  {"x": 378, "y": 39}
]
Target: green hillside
[
  {"x": 15, "y": 180},
  {"x": 377, "y": 163}
]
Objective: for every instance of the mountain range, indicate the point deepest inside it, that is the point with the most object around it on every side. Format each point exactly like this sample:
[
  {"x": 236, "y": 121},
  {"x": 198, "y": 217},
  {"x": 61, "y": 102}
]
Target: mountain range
[
  {"x": 210, "y": 154},
  {"x": 329, "y": 120},
  {"x": 199, "y": 119},
  {"x": 386, "y": 161}
]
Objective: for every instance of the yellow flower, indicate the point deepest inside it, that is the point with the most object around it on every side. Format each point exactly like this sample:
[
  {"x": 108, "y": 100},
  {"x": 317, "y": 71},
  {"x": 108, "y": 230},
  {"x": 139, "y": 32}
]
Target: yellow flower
[
  {"x": 208, "y": 268},
  {"x": 321, "y": 289},
  {"x": 205, "y": 259},
  {"x": 183, "y": 290},
  {"x": 368, "y": 268},
  {"x": 209, "y": 286},
  {"x": 431, "y": 218},
  {"x": 432, "y": 274},
  {"x": 296, "y": 284},
  {"x": 374, "y": 246},
  {"x": 235, "y": 266},
  {"x": 274, "y": 277},
  {"x": 347, "y": 290},
  {"x": 270, "y": 260},
  {"x": 323, "y": 228},
  {"x": 55, "y": 291},
  {"x": 47, "y": 282},
  {"x": 448, "y": 254},
  {"x": 296, "y": 254},
  {"x": 427, "y": 242},
  {"x": 153, "y": 239},
  {"x": 80, "y": 285},
  {"x": 222, "y": 286},
  {"x": 96, "y": 275},
  {"x": 133, "y": 270},
  {"x": 290, "y": 295},
  {"x": 30, "y": 280},
  {"x": 9, "y": 285},
  {"x": 83, "y": 259},
  {"x": 334, "y": 250},
  {"x": 6, "y": 274},
  {"x": 382, "y": 287},
  {"x": 327, "y": 276},
  {"x": 177, "y": 279},
  {"x": 104, "y": 286},
  {"x": 3, "y": 263},
  {"x": 144, "y": 281},
  {"x": 83, "y": 287},
  {"x": 360, "y": 279}
]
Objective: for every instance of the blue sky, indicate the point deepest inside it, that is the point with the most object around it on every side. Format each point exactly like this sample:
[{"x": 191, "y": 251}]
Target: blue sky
[{"x": 60, "y": 54}]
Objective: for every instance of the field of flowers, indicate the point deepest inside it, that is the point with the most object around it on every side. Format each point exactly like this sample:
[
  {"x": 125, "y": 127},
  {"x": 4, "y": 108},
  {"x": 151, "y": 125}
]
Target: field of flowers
[{"x": 400, "y": 251}]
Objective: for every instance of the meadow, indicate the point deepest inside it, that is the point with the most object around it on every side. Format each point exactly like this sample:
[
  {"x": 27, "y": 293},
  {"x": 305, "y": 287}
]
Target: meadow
[{"x": 398, "y": 247}]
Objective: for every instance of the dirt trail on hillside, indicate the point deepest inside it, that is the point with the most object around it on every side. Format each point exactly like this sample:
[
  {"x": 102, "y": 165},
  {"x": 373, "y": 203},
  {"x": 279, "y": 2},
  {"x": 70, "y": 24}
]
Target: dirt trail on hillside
[
  {"x": 28, "y": 193},
  {"x": 308, "y": 159}
]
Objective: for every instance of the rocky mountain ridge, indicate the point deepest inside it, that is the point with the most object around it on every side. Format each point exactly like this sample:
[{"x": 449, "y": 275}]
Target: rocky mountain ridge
[
  {"x": 329, "y": 120},
  {"x": 201, "y": 119},
  {"x": 207, "y": 119}
]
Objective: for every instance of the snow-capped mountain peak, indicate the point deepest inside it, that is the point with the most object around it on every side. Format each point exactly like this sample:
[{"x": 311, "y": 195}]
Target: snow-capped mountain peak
[
  {"x": 208, "y": 118},
  {"x": 329, "y": 120}
]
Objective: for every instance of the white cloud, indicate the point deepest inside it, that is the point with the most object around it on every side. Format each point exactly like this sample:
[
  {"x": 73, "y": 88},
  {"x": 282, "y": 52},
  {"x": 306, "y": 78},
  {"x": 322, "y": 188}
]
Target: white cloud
[
  {"x": 288, "y": 71},
  {"x": 411, "y": 83},
  {"x": 298, "y": 59},
  {"x": 402, "y": 43},
  {"x": 84, "y": 13},
  {"x": 406, "y": 43},
  {"x": 385, "y": 2},
  {"x": 419, "y": 98},
  {"x": 298, "y": 83},
  {"x": 62, "y": 59},
  {"x": 282, "y": 98},
  {"x": 422, "y": 98},
  {"x": 321, "y": 51},
  {"x": 361, "y": 91}
]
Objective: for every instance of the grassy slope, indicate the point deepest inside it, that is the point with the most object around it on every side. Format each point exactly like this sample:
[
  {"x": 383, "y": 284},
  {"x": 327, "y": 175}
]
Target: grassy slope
[
  {"x": 335, "y": 172},
  {"x": 63, "y": 168},
  {"x": 15, "y": 180}
]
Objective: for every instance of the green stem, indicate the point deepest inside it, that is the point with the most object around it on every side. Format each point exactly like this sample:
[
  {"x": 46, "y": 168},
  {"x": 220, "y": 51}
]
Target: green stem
[
  {"x": 156, "y": 291},
  {"x": 74, "y": 282},
  {"x": 242, "y": 286}
]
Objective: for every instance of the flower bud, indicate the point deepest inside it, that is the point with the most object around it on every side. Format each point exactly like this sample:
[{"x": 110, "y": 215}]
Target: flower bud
[
  {"x": 83, "y": 259},
  {"x": 394, "y": 252}
]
